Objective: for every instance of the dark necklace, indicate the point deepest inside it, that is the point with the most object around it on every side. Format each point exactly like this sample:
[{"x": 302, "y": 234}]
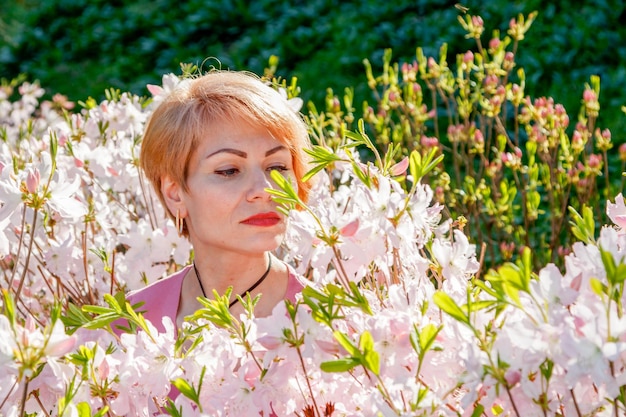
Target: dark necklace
[{"x": 249, "y": 290}]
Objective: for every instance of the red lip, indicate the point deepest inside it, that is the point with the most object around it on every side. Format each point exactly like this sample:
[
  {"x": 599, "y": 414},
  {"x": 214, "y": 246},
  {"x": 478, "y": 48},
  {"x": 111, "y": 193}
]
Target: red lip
[{"x": 263, "y": 219}]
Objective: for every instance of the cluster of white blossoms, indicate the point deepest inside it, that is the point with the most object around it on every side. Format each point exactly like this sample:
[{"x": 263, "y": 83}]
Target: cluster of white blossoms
[{"x": 393, "y": 323}]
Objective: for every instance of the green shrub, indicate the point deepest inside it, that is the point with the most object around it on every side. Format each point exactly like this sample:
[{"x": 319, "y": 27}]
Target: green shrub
[
  {"x": 80, "y": 48},
  {"x": 513, "y": 164}
]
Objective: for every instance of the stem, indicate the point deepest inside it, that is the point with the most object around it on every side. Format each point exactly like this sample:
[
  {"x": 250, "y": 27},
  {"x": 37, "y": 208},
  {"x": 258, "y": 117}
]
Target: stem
[
  {"x": 522, "y": 188},
  {"x": 8, "y": 394},
  {"x": 23, "y": 401},
  {"x": 19, "y": 246},
  {"x": 575, "y": 403},
  {"x": 91, "y": 297},
  {"x": 302, "y": 364},
  {"x": 508, "y": 391},
  {"x": 308, "y": 383},
  {"x": 43, "y": 407},
  {"x": 30, "y": 250},
  {"x": 341, "y": 273},
  {"x": 607, "y": 183}
]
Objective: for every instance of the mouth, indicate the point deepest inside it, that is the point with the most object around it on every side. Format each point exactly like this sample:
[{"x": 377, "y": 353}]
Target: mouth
[{"x": 263, "y": 219}]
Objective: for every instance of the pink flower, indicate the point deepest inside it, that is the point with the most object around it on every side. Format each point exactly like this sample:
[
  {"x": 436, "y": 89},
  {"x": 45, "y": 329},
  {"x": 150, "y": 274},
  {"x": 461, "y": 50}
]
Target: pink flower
[
  {"x": 350, "y": 229},
  {"x": 59, "y": 342},
  {"x": 617, "y": 212}
]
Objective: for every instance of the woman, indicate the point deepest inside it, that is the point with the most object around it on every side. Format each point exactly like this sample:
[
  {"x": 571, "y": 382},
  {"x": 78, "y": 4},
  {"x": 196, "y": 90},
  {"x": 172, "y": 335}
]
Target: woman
[{"x": 209, "y": 149}]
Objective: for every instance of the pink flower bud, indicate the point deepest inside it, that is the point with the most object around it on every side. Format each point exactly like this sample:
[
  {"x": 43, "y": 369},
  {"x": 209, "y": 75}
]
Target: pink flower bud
[
  {"x": 622, "y": 152},
  {"x": 494, "y": 43},
  {"x": 429, "y": 142},
  {"x": 468, "y": 57},
  {"x": 594, "y": 161},
  {"x": 478, "y": 136},
  {"x": 62, "y": 139},
  {"x": 577, "y": 137},
  {"x": 589, "y": 95},
  {"x": 477, "y": 21},
  {"x": 401, "y": 167},
  {"x": 32, "y": 180},
  {"x": 606, "y": 134}
]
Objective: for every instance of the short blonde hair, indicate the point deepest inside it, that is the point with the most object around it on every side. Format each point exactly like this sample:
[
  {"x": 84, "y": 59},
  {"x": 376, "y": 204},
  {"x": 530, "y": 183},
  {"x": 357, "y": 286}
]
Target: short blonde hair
[{"x": 178, "y": 124}]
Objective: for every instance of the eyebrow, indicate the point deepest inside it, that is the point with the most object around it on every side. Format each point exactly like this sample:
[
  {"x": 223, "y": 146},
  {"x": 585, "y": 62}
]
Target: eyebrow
[{"x": 243, "y": 154}]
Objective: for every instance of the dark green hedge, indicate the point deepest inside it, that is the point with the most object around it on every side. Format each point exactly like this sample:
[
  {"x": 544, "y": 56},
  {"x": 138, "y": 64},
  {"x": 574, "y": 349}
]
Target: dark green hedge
[{"x": 81, "y": 47}]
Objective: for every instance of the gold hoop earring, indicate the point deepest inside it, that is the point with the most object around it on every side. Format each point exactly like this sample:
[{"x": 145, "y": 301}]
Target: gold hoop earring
[{"x": 180, "y": 223}]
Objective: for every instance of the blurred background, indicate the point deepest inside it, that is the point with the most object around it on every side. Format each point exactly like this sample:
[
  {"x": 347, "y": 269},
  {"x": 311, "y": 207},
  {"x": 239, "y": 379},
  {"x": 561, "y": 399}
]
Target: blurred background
[{"x": 82, "y": 47}]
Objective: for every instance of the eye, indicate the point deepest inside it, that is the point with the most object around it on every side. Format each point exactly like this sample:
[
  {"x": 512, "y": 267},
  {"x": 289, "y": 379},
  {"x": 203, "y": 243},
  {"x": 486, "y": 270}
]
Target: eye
[
  {"x": 279, "y": 168},
  {"x": 227, "y": 172}
]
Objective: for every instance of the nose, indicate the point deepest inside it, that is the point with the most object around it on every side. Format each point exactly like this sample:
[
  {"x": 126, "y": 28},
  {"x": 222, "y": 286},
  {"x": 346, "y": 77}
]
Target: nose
[{"x": 260, "y": 180}]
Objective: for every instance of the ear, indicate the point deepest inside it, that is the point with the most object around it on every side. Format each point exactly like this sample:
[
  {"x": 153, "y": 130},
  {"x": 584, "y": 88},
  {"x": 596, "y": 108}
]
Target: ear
[{"x": 173, "y": 196}]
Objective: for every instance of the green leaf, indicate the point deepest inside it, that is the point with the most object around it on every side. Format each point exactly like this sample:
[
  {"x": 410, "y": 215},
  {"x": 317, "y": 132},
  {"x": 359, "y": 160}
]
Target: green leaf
[
  {"x": 113, "y": 303},
  {"x": 346, "y": 343},
  {"x": 449, "y": 306},
  {"x": 321, "y": 157},
  {"x": 286, "y": 195},
  {"x": 97, "y": 309},
  {"x": 366, "y": 341},
  {"x": 597, "y": 286},
  {"x": 9, "y": 305},
  {"x": 339, "y": 365},
  {"x": 478, "y": 410},
  {"x": 419, "y": 165},
  {"x": 101, "y": 321},
  {"x": 583, "y": 227},
  {"x": 371, "y": 361},
  {"x": 415, "y": 165},
  {"x": 186, "y": 389},
  {"x": 481, "y": 305},
  {"x": 427, "y": 336},
  {"x": 615, "y": 272}
]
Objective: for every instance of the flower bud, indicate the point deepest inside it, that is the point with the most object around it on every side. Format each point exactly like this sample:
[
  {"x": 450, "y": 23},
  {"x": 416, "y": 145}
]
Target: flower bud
[
  {"x": 32, "y": 180},
  {"x": 494, "y": 43},
  {"x": 589, "y": 95},
  {"x": 622, "y": 152},
  {"x": 400, "y": 168},
  {"x": 429, "y": 142},
  {"x": 594, "y": 161}
]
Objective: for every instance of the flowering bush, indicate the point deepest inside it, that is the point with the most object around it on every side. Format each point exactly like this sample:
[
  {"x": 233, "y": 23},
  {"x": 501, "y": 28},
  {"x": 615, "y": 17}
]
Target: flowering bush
[
  {"x": 392, "y": 322},
  {"x": 513, "y": 163},
  {"x": 394, "y": 319}
]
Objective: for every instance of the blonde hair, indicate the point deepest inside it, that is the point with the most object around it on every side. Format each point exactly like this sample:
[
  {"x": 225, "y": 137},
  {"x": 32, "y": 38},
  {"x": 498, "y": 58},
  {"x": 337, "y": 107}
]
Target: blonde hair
[{"x": 179, "y": 123}]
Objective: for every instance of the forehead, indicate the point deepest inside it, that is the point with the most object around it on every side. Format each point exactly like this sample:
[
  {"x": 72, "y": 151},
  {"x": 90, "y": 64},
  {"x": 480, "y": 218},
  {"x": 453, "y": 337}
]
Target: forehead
[{"x": 237, "y": 134}]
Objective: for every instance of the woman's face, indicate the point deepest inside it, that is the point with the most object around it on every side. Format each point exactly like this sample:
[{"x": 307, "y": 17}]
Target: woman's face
[{"x": 227, "y": 207}]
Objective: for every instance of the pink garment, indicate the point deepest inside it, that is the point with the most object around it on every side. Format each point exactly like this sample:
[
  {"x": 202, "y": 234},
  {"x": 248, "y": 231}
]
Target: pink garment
[{"x": 161, "y": 298}]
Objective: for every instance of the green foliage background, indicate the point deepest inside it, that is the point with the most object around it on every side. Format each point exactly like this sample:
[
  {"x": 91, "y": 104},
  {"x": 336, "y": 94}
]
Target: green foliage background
[{"x": 81, "y": 47}]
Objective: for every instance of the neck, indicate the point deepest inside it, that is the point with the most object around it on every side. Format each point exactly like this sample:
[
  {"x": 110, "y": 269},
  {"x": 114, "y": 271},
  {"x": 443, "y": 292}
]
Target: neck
[{"x": 243, "y": 277}]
